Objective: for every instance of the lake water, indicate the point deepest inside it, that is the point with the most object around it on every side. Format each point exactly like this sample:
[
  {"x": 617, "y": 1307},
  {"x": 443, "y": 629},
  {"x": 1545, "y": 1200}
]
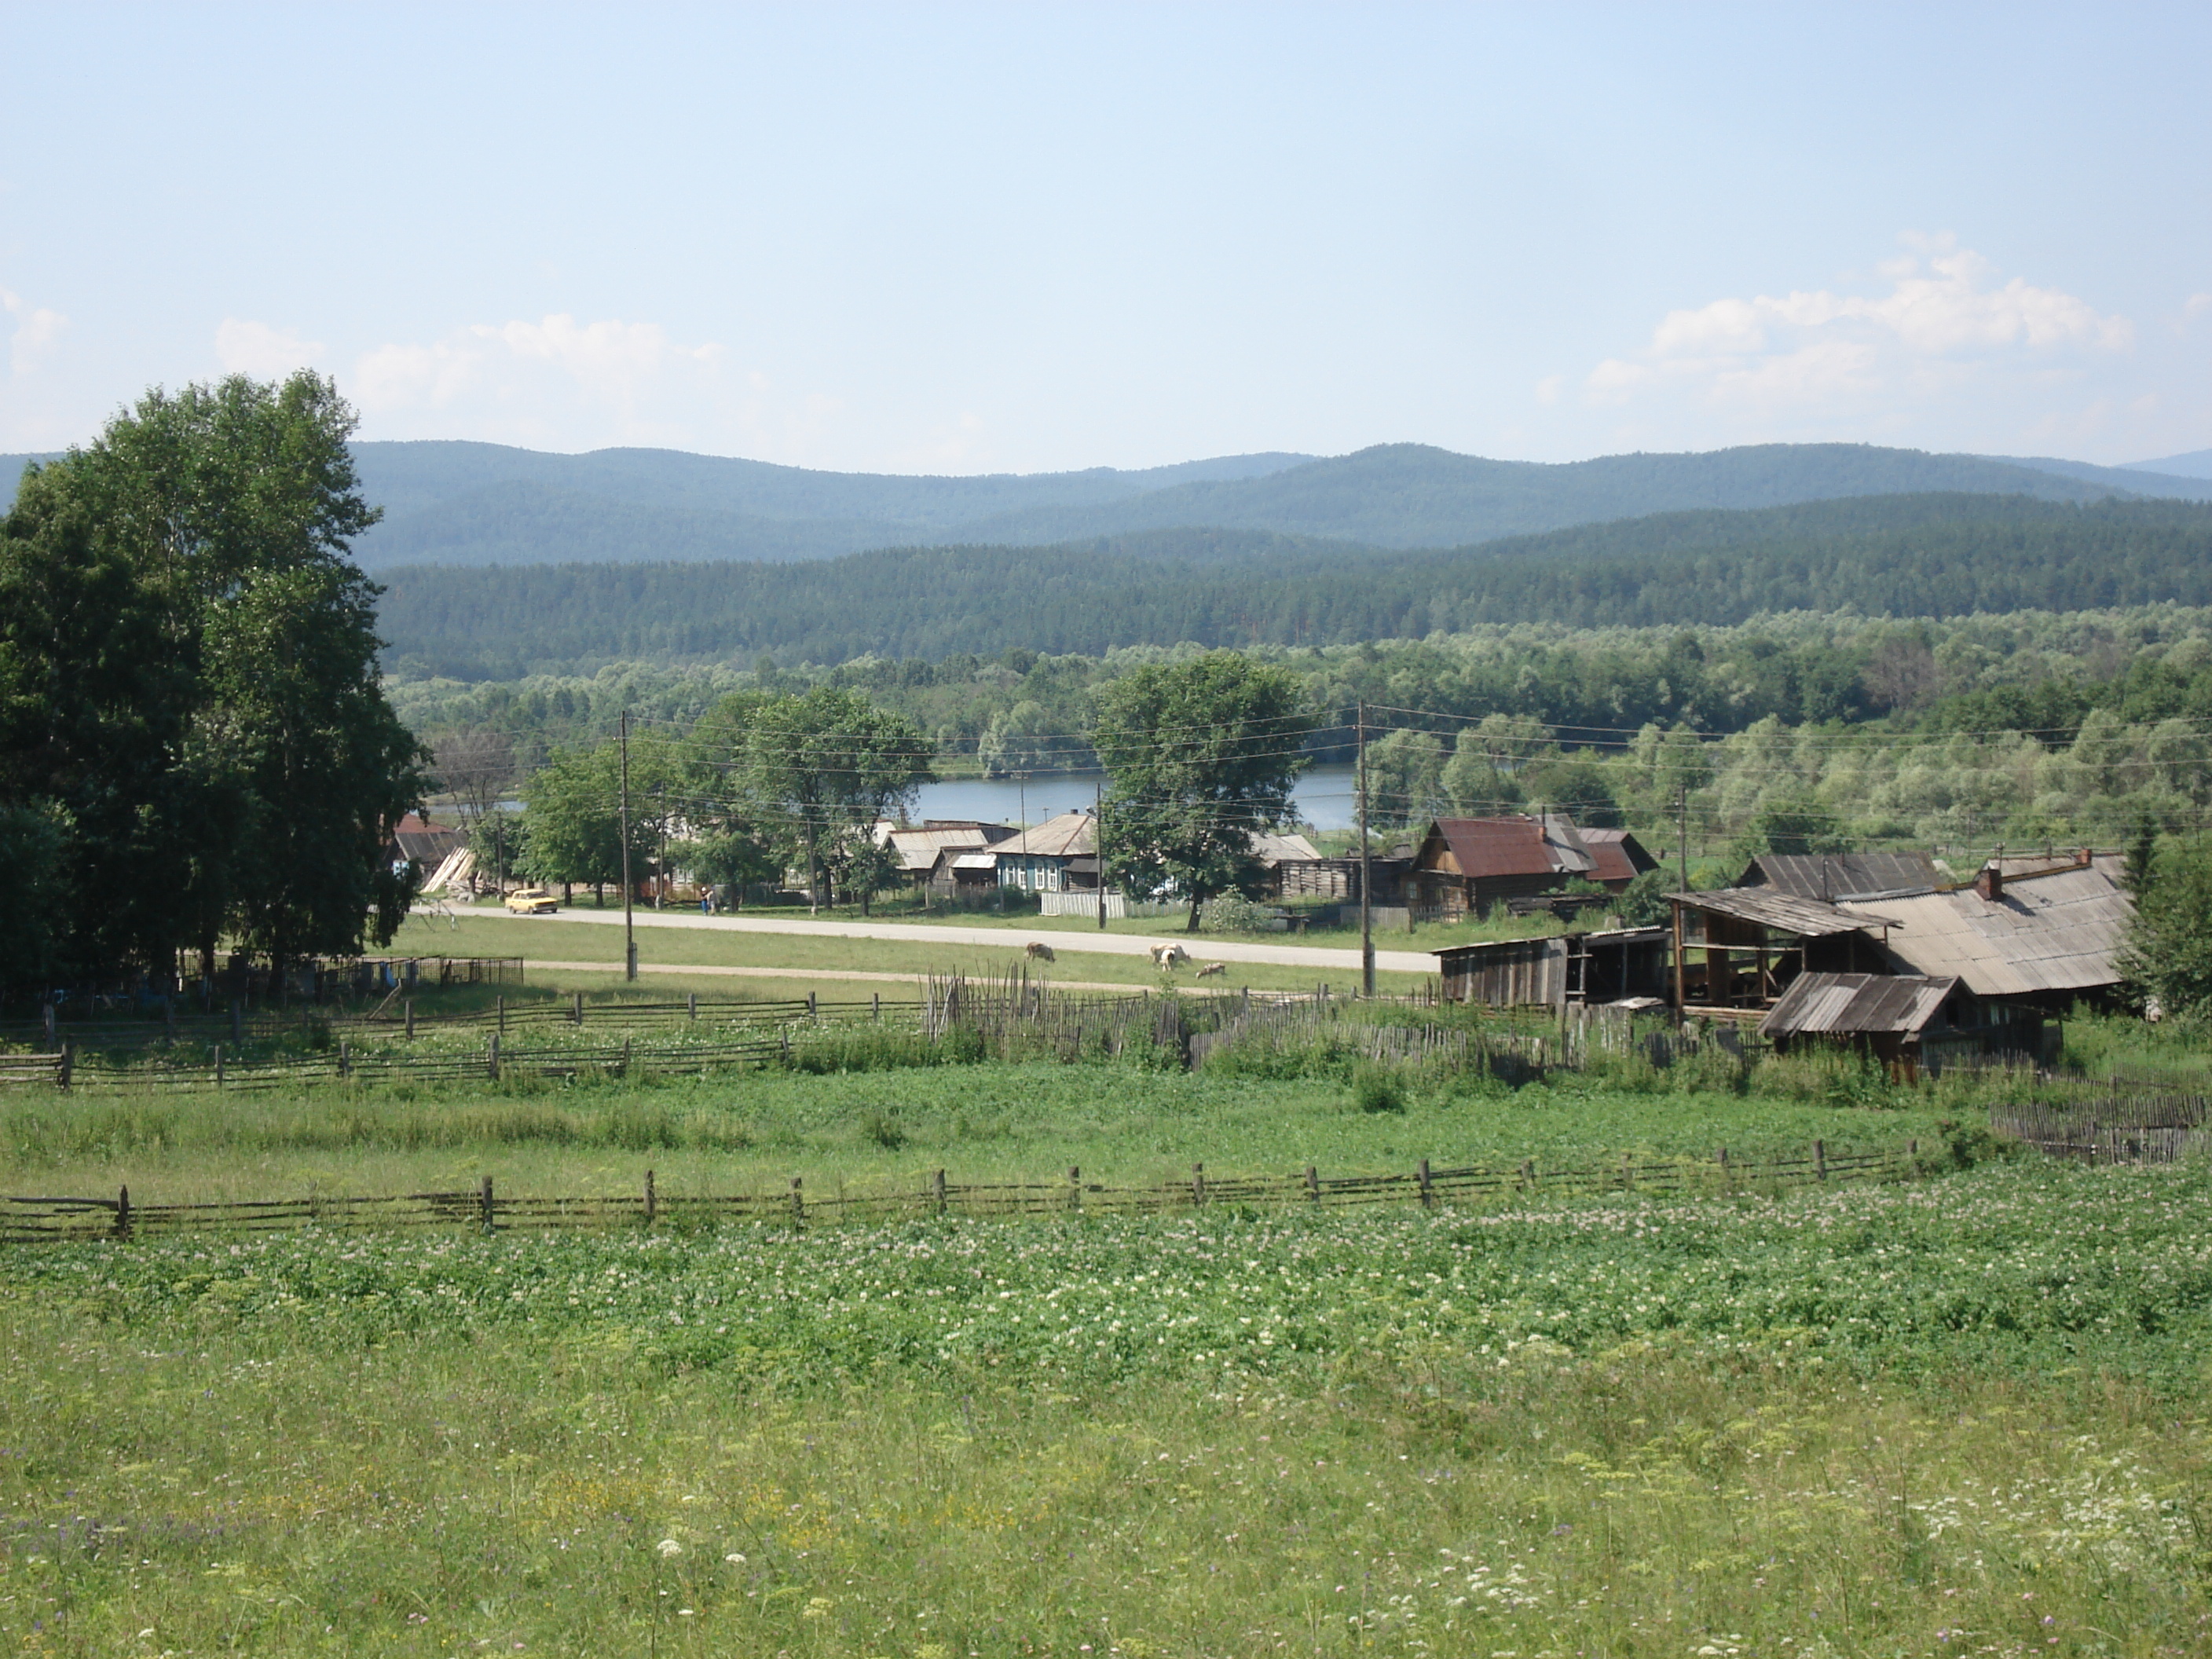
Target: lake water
[{"x": 1324, "y": 797}]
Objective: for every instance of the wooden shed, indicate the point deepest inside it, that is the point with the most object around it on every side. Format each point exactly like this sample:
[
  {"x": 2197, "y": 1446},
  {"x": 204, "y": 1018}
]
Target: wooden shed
[{"x": 1616, "y": 965}]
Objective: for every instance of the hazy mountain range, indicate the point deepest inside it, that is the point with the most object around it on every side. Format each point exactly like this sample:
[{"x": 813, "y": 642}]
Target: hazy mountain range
[
  {"x": 458, "y": 503},
  {"x": 1898, "y": 554}
]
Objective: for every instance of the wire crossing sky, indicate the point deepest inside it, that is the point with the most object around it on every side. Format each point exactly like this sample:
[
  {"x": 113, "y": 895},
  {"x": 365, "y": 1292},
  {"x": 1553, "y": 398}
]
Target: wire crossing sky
[{"x": 969, "y": 239}]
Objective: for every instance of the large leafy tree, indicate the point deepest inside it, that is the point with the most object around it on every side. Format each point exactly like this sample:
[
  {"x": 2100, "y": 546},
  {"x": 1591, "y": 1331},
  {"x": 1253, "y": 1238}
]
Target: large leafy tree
[
  {"x": 2168, "y": 954},
  {"x": 829, "y": 765},
  {"x": 572, "y": 812},
  {"x": 192, "y": 685},
  {"x": 1199, "y": 754}
]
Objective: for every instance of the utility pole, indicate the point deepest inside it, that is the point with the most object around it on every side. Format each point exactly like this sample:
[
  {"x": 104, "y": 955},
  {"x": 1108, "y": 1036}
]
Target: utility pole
[
  {"x": 1098, "y": 835},
  {"x": 1366, "y": 867},
  {"x": 629, "y": 933},
  {"x": 1682, "y": 805}
]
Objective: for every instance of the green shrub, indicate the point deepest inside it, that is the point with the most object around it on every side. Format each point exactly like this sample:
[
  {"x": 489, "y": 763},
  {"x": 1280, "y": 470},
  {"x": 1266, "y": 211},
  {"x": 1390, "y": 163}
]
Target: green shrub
[
  {"x": 1232, "y": 913},
  {"x": 1377, "y": 1089}
]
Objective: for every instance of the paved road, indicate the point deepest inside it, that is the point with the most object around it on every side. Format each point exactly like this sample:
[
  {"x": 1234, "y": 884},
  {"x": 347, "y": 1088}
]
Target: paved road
[
  {"x": 1008, "y": 938},
  {"x": 908, "y": 980}
]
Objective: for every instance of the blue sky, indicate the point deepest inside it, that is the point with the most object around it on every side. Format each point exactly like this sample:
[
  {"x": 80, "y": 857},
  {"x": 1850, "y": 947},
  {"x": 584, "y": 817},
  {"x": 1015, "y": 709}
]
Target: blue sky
[{"x": 969, "y": 239}]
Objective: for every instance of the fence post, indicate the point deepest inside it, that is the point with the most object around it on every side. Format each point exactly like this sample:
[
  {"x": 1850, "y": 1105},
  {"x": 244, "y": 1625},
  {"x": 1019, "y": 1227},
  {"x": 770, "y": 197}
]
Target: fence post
[
  {"x": 1428, "y": 1192},
  {"x": 797, "y": 1201},
  {"x": 1722, "y": 1158},
  {"x": 123, "y": 1212},
  {"x": 937, "y": 1186},
  {"x": 500, "y": 1004},
  {"x": 218, "y": 1066},
  {"x": 1198, "y": 1184},
  {"x": 576, "y": 1008},
  {"x": 650, "y": 1205},
  {"x": 1074, "y": 1186},
  {"x": 491, "y": 1057},
  {"x": 876, "y": 1008},
  {"x": 1529, "y": 1174},
  {"x": 1313, "y": 1185},
  {"x": 1820, "y": 1160},
  {"x": 485, "y": 1204},
  {"x": 1628, "y": 1172},
  {"x": 691, "y": 1004},
  {"x": 783, "y": 1042},
  {"x": 813, "y": 1009},
  {"x": 409, "y": 1006},
  {"x": 345, "y": 1059},
  {"x": 69, "y": 1062}
]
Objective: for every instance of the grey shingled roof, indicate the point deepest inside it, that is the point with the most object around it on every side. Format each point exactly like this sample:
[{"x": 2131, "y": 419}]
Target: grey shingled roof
[
  {"x": 1830, "y": 876},
  {"x": 2060, "y": 932},
  {"x": 1857, "y": 1005},
  {"x": 1785, "y": 912}
]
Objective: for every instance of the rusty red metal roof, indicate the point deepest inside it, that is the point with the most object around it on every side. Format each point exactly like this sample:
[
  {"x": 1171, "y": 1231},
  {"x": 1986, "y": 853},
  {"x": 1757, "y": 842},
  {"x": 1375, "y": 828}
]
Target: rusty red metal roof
[{"x": 1485, "y": 848}]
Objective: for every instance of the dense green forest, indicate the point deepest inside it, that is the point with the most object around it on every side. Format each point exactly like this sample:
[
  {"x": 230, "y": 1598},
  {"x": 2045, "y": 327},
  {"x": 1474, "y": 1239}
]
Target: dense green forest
[
  {"x": 1930, "y": 556},
  {"x": 1798, "y": 732}
]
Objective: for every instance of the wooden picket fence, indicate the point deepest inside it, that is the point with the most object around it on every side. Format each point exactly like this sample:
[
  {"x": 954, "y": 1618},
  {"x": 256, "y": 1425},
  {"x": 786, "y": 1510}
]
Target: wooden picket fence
[
  {"x": 30, "y": 1220},
  {"x": 2145, "y": 1129}
]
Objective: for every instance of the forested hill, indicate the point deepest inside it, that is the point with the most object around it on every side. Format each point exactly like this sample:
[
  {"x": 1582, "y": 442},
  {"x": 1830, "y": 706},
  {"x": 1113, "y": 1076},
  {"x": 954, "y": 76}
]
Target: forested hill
[
  {"x": 472, "y": 503},
  {"x": 1931, "y": 555}
]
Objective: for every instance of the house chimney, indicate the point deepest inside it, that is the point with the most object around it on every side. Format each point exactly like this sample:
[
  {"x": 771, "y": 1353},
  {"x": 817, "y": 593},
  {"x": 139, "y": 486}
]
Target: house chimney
[{"x": 1989, "y": 884}]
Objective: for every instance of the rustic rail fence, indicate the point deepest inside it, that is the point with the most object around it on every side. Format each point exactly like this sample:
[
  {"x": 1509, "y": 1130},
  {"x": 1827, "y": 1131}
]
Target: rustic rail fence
[
  {"x": 2147, "y": 1129},
  {"x": 30, "y": 1220}
]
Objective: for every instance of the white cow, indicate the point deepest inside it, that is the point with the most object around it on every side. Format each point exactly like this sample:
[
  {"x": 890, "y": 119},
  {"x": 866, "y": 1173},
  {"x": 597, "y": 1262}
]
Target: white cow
[{"x": 1165, "y": 957}]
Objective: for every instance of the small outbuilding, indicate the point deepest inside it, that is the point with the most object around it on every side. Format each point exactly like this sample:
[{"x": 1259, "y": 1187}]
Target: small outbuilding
[
  {"x": 1624, "y": 964},
  {"x": 1907, "y": 1021}
]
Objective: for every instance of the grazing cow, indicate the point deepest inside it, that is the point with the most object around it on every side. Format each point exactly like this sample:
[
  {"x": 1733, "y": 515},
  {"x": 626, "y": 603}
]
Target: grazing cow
[
  {"x": 1040, "y": 952},
  {"x": 1165, "y": 957},
  {"x": 1211, "y": 969}
]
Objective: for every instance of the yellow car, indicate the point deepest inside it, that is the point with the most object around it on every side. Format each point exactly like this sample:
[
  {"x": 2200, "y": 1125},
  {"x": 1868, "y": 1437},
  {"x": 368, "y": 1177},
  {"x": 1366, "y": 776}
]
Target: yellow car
[{"x": 533, "y": 901}]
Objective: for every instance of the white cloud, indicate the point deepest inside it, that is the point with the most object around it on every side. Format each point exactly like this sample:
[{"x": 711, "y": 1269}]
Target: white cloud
[
  {"x": 1943, "y": 322},
  {"x": 37, "y": 332},
  {"x": 561, "y": 382},
  {"x": 555, "y": 380},
  {"x": 266, "y": 353}
]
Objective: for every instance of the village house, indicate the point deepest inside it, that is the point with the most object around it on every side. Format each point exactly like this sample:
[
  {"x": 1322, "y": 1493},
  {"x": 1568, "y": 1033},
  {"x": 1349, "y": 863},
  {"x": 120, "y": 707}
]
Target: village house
[
  {"x": 919, "y": 849},
  {"x": 1465, "y": 866},
  {"x": 1059, "y": 855}
]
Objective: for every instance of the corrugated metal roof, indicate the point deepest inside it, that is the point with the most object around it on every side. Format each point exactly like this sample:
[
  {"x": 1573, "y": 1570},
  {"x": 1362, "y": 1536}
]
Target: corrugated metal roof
[
  {"x": 1274, "y": 849},
  {"x": 1485, "y": 848},
  {"x": 2060, "y": 932},
  {"x": 918, "y": 848},
  {"x": 1060, "y": 837},
  {"x": 1785, "y": 912},
  {"x": 1595, "y": 936},
  {"x": 1616, "y": 855},
  {"x": 1829, "y": 877},
  {"x": 1857, "y": 1005}
]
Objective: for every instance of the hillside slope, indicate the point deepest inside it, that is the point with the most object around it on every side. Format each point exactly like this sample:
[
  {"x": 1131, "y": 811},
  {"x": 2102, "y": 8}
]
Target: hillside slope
[
  {"x": 455, "y": 503},
  {"x": 1934, "y": 556}
]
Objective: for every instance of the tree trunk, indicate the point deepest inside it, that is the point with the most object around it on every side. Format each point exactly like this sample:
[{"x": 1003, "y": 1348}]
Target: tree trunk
[
  {"x": 813, "y": 873},
  {"x": 1191, "y": 927}
]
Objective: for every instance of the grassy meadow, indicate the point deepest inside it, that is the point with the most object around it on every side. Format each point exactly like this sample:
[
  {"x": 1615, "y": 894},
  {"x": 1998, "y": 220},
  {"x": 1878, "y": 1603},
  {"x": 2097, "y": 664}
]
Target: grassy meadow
[
  {"x": 1963, "y": 1413},
  {"x": 803, "y": 957}
]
